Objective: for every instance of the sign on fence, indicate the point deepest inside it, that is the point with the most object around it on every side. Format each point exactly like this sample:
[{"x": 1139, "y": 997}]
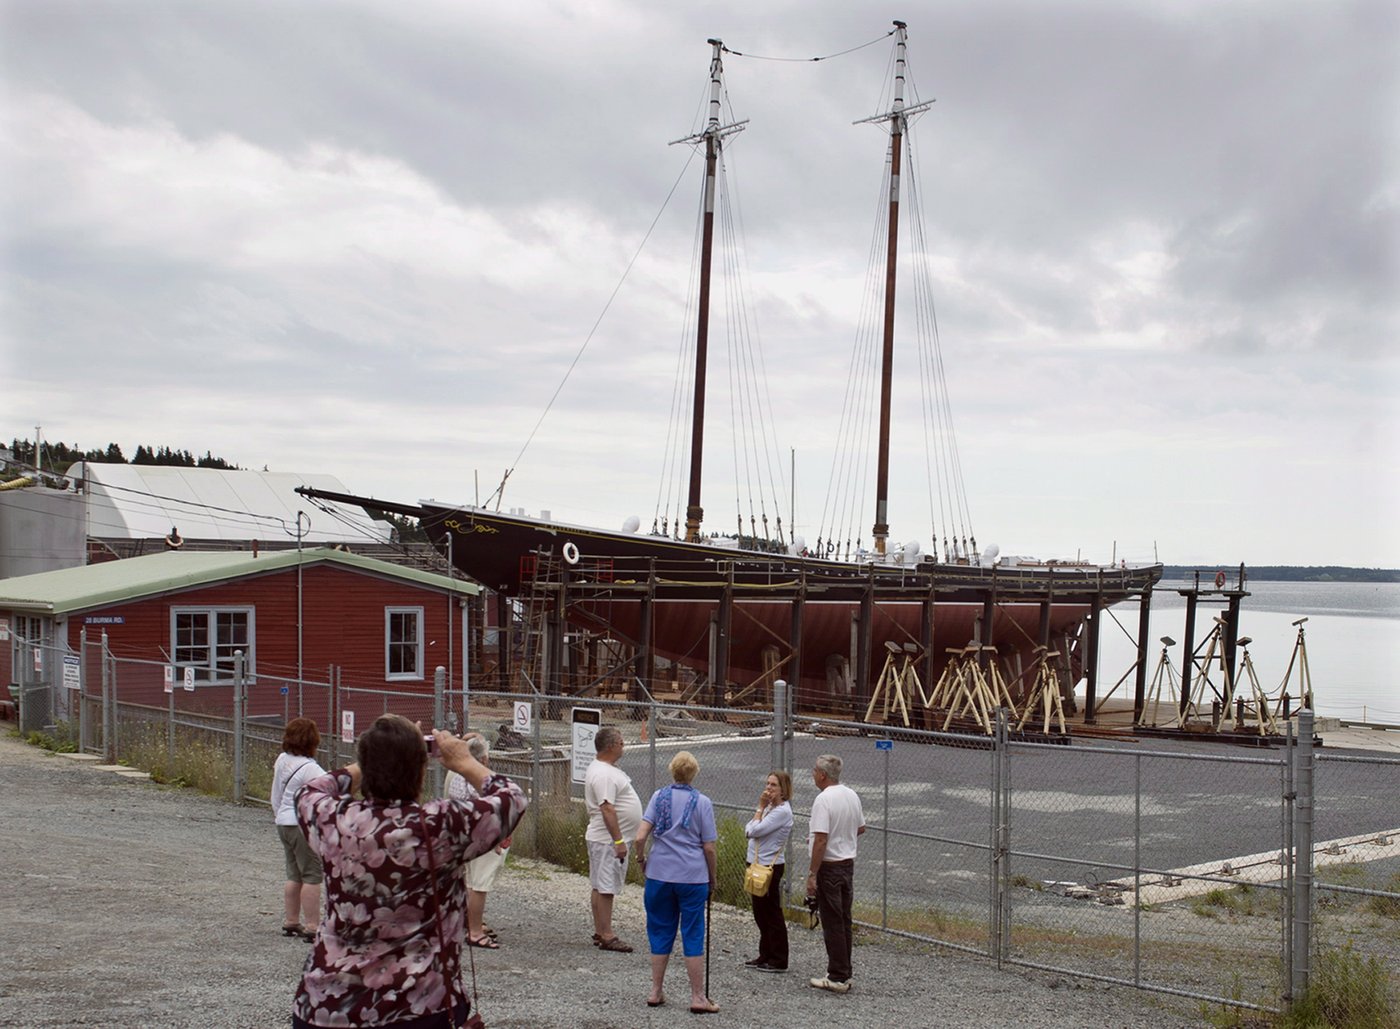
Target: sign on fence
[
  {"x": 884, "y": 744},
  {"x": 189, "y": 678},
  {"x": 347, "y": 726},
  {"x": 584, "y": 722},
  {"x": 71, "y": 678},
  {"x": 169, "y": 671},
  {"x": 4, "y": 629},
  {"x": 522, "y": 716}
]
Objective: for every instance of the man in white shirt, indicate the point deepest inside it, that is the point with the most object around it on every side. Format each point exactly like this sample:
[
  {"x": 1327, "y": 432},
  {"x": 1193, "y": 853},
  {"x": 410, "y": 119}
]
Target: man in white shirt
[
  {"x": 836, "y": 823},
  {"x": 614, "y": 816}
]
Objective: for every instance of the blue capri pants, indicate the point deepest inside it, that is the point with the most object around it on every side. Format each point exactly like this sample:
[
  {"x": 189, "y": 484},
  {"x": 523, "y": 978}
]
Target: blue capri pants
[{"x": 673, "y": 905}]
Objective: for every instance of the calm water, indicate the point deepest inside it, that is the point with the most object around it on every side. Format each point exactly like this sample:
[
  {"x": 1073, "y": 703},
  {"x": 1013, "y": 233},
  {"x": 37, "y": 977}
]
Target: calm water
[{"x": 1352, "y": 632}]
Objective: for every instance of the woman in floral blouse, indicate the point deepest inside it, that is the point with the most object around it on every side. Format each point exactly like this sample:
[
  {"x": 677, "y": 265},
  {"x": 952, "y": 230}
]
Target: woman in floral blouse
[{"x": 381, "y": 957}]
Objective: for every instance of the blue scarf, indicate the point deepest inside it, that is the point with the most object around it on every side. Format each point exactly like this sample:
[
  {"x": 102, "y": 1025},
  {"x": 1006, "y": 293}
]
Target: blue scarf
[{"x": 663, "y": 808}]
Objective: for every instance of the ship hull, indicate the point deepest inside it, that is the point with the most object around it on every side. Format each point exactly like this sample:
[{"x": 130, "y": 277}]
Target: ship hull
[{"x": 742, "y": 618}]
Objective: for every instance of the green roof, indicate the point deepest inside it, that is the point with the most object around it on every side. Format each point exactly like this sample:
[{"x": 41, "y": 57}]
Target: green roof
[{"x": 116, "y": 582}]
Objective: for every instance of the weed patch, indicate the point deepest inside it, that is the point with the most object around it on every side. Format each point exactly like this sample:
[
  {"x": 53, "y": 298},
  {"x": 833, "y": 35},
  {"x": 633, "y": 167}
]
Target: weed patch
[{"x": 1346, "y": 991}]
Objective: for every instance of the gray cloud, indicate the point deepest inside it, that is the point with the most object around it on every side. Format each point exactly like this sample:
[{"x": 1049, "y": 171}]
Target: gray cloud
[{"x": 374, "y": 235}]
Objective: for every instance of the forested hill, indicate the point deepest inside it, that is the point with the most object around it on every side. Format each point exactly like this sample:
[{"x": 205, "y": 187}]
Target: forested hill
[
  {"x": 58, "y": 456},
  {"x": 1284, "y": 573}
]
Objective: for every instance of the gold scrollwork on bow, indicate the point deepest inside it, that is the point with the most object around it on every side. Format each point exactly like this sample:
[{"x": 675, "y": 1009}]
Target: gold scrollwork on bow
[{"x": 470, "y": 527}]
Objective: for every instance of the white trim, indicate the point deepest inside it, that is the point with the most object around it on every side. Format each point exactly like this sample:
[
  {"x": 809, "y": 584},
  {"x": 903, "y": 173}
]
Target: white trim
[
  {"x": 417, "y": 612},
  {"x": 205, "y": 674}
]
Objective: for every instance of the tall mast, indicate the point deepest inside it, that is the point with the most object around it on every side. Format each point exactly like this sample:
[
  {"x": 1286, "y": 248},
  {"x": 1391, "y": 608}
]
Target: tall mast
[
  {"x": 898, "y": 119},
  {"x": 712, "y": 137}
]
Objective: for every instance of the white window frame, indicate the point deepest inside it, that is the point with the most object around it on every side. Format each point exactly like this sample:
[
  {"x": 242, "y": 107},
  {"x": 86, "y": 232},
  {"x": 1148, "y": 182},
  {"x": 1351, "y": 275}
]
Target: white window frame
[
  {"x": 207, "y": 673},
  {"x": 420, "y": 660}
]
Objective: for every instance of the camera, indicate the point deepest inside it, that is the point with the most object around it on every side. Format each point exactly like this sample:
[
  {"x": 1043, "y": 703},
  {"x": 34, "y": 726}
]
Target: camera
[
  {"x": 811, "y": 905},
  {"x": 430, "y": 741}
]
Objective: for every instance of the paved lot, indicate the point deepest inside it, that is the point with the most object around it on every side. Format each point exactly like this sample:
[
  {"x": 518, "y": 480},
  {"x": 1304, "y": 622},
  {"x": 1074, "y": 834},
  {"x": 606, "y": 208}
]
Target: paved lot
[{"x": 132, "y": 904}]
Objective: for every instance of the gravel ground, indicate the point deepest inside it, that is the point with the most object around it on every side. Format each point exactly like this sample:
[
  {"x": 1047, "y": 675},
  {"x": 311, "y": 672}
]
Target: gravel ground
[{"x": 132, "y": 904}]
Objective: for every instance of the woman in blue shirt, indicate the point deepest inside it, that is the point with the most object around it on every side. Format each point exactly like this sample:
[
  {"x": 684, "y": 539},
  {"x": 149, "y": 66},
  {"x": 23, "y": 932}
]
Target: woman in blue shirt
[
  {"x": 680, "y": 872},
  {"x": 768, "y": 831}
]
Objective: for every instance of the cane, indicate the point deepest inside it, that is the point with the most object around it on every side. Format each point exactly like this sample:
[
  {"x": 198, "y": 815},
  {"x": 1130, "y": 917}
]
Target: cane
[{"x": 709, "y": 901}]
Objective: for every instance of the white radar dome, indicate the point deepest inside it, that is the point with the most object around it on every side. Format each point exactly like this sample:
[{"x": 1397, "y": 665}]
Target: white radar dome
[{"x": 631, "y": 524}]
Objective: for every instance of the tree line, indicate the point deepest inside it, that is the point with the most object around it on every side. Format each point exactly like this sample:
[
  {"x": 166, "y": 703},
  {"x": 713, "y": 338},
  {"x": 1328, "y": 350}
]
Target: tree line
[{"x": 58, "y": 456}]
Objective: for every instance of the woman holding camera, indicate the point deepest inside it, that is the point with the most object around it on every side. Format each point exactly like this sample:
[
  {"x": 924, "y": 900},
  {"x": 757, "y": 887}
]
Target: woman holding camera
[
  {"x": 768, "y": 832},
  {"x": 389, "y": 949}
]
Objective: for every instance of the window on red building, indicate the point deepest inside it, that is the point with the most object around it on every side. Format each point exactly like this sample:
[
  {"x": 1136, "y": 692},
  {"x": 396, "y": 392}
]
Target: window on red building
[
  {"x": 403, "y": 643},
  {"x": 207, "y": 638}
]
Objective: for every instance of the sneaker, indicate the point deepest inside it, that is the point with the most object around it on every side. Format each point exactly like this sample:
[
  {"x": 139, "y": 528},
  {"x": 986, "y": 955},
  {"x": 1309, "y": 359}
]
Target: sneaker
[
  {"x": 833, "y": 985},
  {"x": 753, "y": 962},
  {"x": 764, "y": 966}
]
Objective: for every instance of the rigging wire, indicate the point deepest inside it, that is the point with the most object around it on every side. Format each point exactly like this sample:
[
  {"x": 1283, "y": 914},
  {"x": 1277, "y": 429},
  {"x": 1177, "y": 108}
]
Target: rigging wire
[
  {"x": 589, "y": 338},
  {"x": 808, "y": 60}
]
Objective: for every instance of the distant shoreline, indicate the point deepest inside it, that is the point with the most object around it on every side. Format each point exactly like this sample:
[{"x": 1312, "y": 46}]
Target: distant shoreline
[{"x": 1284, "y": 573}]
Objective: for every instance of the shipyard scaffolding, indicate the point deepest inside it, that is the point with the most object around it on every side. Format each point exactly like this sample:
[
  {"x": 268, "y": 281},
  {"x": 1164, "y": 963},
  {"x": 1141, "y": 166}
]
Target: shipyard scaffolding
[{"x": 583, "y": 626}]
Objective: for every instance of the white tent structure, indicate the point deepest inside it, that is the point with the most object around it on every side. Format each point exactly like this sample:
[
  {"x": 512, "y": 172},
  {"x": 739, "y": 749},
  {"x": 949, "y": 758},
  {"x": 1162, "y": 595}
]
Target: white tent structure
[{"x": 144, "y": 502}]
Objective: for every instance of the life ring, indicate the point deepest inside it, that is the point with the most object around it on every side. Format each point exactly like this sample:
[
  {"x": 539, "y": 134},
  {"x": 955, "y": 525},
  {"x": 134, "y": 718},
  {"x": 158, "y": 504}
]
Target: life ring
[
  {"x": 570, "y": 552},
  {"x": 1219, "y": 580}
]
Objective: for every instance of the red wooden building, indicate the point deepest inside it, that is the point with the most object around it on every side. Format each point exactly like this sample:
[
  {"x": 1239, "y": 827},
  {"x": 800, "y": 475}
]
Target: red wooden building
[{"x": 300, "y": 619}]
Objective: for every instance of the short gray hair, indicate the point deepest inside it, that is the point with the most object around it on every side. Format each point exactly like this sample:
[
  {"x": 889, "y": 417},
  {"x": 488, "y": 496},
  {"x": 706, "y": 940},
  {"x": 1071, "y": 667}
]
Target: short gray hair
[
  {"x": 830, "y": 766},
  {"x": 606, "y": 738},
  {"x": 479, "y": 747}
]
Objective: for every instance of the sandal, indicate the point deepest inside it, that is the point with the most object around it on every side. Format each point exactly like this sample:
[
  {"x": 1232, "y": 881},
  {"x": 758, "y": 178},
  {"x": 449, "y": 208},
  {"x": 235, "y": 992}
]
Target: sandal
[
  {"x": 484, "y": 942},
  {"x": 291, "y": 929},
  {"x": 615, "y": 944}
]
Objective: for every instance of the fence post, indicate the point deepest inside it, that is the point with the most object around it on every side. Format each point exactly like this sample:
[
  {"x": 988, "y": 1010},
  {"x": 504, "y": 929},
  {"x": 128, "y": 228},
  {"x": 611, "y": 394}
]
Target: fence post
[
  {"x": 885, "y": 847},
  {"x": 170, "y": 717},
  {"x": 1137, "y": 870},
  {"x": 1286, "y": 860},
  {"x": 332, "y": 729},
  {"x": 109, "y": 749},
  {"x": 238, "y": 785},
  {"x": 651, "y": 743},
  {"x": 84, "y": 728},
  {"x": 998, "y": 915},
  {"x": 439, "y": 684},
  {"x": 536, "y": 798},
  {"x": 1302, "y": 856},
  {"x": 777, "y": 749}
]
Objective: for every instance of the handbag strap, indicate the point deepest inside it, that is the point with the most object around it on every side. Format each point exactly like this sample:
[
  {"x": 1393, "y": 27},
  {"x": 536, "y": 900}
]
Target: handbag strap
[{"x": 450, "y": 980}]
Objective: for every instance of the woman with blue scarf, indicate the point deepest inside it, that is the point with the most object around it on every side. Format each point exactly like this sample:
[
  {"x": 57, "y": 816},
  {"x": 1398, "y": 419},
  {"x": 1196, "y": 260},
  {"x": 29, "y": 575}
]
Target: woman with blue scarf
[{"x": 680, "y": 873}]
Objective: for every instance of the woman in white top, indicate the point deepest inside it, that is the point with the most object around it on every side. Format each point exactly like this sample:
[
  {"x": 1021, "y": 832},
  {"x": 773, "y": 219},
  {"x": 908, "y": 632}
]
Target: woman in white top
[
  {"x": 768, "y": 833},
  {"x": 295, "y": 767}
]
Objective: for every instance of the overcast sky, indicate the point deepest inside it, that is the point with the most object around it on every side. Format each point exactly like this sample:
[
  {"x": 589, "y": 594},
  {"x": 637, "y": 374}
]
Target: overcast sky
[{"x": 368, "y": 239}]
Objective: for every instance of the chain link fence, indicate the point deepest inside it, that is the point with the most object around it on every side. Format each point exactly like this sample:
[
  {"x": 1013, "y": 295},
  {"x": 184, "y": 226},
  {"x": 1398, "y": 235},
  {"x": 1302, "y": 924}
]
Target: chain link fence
[{"x": 1265, "y": 880}]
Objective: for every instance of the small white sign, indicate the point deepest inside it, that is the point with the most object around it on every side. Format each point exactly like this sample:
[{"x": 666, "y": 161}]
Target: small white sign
[
  {"x": 347, "y": 727},
  {"x": 586, "y": 721},
  {"x": 4, "y": 629},
  {"x": 169, "y": 671},
  {"x": 522, "y": 716},
  {"x": 38, "y": 660},
  {"x": 189, "y": 678},
  {"x": 71, "y": 672}
]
